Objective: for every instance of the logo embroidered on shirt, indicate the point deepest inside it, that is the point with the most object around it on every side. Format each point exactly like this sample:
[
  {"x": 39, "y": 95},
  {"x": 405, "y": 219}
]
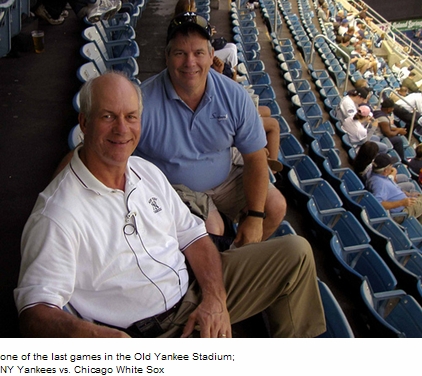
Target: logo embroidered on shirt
[
  {"x": 153, "y": 202},
  {"x": 220, "y": 117}
]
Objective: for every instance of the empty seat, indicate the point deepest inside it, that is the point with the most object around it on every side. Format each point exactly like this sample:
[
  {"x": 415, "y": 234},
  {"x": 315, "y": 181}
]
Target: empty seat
[
  {"x": 338, "y": 222},
  {"x": 324, "y": 195},
  {"x": 393, "y": 313},
  {"x": 100, "y": 63},
  {"x": 361, "y": 261},
  {"x": 336, "y": 322}
]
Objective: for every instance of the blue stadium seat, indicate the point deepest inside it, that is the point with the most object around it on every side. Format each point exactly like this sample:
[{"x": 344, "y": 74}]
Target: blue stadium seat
[
  {"x": 5, "y": 27},
  {"x": 111, "y": 48},
  {"x": 337, "y": 222},
  {"x": 324, "y": 195},
  {"x": 362, "y": 261},
  {"x": 126, "y": 64},
  {"x": 336, "y": 322},
  {"x": 393, "y": 313}
]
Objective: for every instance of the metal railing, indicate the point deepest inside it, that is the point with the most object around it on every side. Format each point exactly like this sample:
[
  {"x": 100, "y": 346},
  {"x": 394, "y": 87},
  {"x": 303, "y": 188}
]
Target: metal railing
[{"x": 344, "y": 54}]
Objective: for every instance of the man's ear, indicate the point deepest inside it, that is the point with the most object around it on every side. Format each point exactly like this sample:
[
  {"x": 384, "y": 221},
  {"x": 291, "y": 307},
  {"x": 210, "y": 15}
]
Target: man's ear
[{"x": 82, "y": 122}]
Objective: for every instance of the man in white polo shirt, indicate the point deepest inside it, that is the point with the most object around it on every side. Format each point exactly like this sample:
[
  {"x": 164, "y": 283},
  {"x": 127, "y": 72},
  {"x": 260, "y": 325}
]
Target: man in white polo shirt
[{"x": 111, "y": 239}]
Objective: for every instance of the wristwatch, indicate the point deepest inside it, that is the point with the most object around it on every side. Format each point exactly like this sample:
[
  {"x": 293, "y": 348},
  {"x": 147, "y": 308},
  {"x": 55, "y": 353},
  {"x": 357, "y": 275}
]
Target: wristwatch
[{"x": 253, "y": 213}]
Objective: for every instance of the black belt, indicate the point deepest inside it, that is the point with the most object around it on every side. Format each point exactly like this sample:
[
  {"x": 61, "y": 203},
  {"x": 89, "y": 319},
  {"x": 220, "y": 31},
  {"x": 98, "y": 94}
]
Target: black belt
[{"x": 150, "y": 327}]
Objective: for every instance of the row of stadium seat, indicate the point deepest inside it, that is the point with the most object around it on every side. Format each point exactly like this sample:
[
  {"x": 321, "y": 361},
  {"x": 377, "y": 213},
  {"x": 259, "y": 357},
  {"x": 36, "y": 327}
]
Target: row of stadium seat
[
  {"x": 349, "y": 240},
  {"x": 11, "y": 13}
]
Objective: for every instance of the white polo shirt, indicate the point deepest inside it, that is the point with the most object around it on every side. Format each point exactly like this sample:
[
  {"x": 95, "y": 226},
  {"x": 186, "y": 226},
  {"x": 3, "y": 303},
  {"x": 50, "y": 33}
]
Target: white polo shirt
[
  {"x": 116, "y": 256},
  {"x": 413, "y": 100}
]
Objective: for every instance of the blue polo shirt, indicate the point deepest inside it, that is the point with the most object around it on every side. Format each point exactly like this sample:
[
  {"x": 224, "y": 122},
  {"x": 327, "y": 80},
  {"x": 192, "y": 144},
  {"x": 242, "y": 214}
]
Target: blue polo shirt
[
  {"x": 193, "y": 147},
  {"x": 384, "y": 189}
]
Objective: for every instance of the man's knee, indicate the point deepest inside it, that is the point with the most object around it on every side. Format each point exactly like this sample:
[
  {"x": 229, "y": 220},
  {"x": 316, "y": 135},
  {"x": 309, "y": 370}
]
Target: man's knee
[
  {"x": 275, "y": 206},
  {"x": 292, "y": 251}
]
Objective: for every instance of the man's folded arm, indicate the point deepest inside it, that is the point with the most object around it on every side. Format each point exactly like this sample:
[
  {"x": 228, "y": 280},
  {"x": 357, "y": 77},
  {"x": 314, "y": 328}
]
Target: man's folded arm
[{"x": 46, "y": 321}]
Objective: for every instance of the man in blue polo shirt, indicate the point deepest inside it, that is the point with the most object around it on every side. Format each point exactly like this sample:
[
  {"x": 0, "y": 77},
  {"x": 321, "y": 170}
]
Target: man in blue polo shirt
[
  {"x": 387, "y": 192},
  {"x": 193, "y": 119}
]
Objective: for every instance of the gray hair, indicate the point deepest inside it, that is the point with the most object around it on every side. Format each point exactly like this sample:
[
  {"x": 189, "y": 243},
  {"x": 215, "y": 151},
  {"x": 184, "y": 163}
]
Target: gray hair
[{"x": 85, "y": 94}]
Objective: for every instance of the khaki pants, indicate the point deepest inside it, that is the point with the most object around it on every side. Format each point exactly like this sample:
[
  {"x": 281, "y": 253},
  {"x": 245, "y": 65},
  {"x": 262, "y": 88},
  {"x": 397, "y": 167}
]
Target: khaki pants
[
  {"x": 415, "y": 210},
  {"x": 276, "y": 277}
]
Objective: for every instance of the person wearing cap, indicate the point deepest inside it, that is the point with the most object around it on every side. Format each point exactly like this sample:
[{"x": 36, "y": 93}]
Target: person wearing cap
[
  {"x": 362, "y": 165},
  {"x": 344, "y": 26},
  {"x": 110, "y": 241},
  {"x": 409, "y": 82},
  {"x": 193, "y": 118},
  {"x": 348, "y": 105},
  {"x": 387, "y": 128},
  {"x": 388, "y": 193},
  {"x": 361, "y": 128}
]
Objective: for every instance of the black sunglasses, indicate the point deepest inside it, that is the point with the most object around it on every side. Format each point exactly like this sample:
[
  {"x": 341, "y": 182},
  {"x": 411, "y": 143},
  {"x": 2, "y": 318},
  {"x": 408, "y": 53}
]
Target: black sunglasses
[{"x": 188, "y": 18}]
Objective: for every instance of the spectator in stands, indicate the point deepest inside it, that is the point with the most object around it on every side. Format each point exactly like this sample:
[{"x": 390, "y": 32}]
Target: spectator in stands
[
  {"x": 373, "y": 62},
  {"x": 350, "y": 32},
  {"x": 324, "y": 13},
  {"x": 405, "y": 107},
  {"x": 109, "y": 237},
  {"x": 203, "y": 115},
  {"x": 361, "y": 128},
  {"x": 362, "y": 165},
  {"x": 344, "y": 26},
  {"x": 415, "y": 164},
  {"x": 404, "y": 72},
  {"x": 342, "y": 14},
  {"x": 388, "y": 193},
  {"x": 54, "y": 11},
  {"x": 227, "y": 53},
  {"x": 363, "y": 65},
  {"x": 361, "y": 82},
  {"x": 363, "y": 15},
  {"x": 362, "y": 32},
  {"x": 348, "y": 105},
  {"x": 386, "y": 127},
  {"x": 409, "y": 82},
  {"x": 402, "y": 91}
]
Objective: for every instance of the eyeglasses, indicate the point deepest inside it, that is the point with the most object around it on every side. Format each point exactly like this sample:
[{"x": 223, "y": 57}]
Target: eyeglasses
[{"x": 188, "y": 18}]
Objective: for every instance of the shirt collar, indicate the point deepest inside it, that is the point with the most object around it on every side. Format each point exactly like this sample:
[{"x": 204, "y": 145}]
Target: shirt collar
[{"x": 89, "y": 181}]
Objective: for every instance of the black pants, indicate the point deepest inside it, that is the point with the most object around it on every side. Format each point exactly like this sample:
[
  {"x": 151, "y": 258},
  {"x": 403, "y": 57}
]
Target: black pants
[{"x": 406, "y": 116}]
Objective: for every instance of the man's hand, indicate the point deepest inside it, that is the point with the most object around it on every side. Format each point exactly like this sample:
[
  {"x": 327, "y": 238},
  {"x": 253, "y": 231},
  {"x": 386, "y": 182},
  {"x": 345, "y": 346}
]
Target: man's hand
[
  {"x": 211, "y": 315},
  {"x": 250, "y": 230},
  {"x": 218, "y": 64},
  {"x": 212, "y": 318}
]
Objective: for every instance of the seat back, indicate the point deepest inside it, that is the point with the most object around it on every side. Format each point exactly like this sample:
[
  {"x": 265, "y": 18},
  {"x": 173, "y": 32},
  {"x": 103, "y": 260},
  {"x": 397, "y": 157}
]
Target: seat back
[
  {"x": 363, "y": 261},
  {"x": 335, "y": 319}
]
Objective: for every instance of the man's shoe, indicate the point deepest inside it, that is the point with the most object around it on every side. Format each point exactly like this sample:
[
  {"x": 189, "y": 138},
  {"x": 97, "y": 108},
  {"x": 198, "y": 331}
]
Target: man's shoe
[
  {"x": 42, "y": 13},
  {"x": 103, "y": 10}
]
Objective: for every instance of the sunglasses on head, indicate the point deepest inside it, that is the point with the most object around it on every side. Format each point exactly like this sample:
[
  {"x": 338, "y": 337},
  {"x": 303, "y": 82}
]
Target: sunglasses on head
[{"x": 189, "y": 18}]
